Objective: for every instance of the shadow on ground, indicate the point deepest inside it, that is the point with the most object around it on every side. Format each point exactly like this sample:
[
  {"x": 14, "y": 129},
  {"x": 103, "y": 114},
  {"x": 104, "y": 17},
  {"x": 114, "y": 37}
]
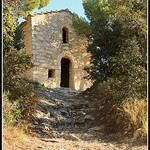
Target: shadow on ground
[{"x": 68, "y": 114}]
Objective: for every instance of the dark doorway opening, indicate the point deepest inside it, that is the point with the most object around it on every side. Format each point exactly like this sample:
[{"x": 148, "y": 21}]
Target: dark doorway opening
[{"x": 65, "y": 66}]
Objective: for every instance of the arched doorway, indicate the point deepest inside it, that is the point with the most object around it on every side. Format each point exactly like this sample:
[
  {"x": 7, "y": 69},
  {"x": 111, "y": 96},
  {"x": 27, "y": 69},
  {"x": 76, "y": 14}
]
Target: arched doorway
[{"x": 66, "y": 73}]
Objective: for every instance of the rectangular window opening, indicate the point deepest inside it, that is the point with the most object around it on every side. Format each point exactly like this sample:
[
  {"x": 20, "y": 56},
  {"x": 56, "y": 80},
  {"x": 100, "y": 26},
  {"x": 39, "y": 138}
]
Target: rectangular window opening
[{"x": 51, "y": 73}]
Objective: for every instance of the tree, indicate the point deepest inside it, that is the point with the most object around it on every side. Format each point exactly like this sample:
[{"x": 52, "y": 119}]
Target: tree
[
  {"x": 133, "y": 53},
  {"x": 81, "y": 25},
  {"x": 117, "y": 42},
  {"x": 22, "y": 8},
  {"x": 15, "y": 58}
]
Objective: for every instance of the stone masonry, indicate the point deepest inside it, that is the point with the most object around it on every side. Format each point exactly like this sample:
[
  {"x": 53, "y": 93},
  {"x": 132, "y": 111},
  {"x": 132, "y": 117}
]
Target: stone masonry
[{"x": 59, "y": 55}]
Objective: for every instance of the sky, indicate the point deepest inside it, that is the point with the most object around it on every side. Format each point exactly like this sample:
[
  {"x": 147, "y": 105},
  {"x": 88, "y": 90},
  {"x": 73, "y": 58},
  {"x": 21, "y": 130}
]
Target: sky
[{"x": 73, "y": 5}]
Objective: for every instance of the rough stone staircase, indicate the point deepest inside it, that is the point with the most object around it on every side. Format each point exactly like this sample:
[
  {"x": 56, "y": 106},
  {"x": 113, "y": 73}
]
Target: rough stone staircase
[
  {"x": 64, "y": 115},
  {"x": 61, "y": 114}
]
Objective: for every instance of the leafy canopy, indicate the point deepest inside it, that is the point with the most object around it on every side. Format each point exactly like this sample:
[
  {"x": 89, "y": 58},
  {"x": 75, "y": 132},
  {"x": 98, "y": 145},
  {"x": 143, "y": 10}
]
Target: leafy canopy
[
  {"x": 22, "y": 8},
  {"x": 117, "y": 35}
]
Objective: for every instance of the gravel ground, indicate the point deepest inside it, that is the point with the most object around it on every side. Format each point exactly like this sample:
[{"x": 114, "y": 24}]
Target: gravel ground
[{"x": 65, "y": 120}]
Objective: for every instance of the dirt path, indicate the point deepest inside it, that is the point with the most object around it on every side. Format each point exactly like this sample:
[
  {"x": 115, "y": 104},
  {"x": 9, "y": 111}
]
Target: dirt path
[{"x": 64, "y": 121}]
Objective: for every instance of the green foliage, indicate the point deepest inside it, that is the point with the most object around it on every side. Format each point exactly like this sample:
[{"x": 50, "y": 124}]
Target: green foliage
[
  {"x": 18, "y": 94},
  {"x": 80, "y": 25},
  {"x": 118, "y": 44},
  {"x": 18, "y": 39},
  {"x": 16, "y": 61},
  {"x": 105, "y": 38},
  {"x": 22, "y": 8},
  {"x": 15, "y": 58},
  {"x": 36, "y": 84},
  {"x": 22, "y": 95},
  {"x": 16, "y": 112},
  {"x": 43, "y": 3},
  {"x": 9, "y": 27}
]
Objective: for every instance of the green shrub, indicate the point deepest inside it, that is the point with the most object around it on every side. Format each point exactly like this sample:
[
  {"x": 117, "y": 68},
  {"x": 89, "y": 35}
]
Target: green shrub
[
  {"x": 37, "y": 84},
  {"x": 22, "y": 95}
]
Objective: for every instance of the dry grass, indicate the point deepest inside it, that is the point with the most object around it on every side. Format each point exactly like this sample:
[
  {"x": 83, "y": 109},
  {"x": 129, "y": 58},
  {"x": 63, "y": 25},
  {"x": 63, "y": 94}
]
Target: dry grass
[
  {"x": 11, "y": 132},
  {"x": 136, "y": 111}
]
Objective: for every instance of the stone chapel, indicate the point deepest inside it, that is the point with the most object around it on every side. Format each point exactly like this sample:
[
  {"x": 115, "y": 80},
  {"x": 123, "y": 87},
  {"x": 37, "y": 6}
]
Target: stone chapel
[{"x": 59, "y": 55}]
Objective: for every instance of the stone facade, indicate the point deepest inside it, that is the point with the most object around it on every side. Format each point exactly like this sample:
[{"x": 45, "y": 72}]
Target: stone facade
[{"x": 59, "y": 55}]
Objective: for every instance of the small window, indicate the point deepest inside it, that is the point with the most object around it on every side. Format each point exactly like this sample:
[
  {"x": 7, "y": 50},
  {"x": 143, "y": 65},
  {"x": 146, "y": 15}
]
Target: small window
[
  {"x": 51, "y": 73},
  {"x": 65, "y": 35}
]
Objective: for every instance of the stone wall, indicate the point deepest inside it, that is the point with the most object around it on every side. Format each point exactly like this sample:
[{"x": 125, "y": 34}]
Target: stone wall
[
  {"x": 28, "y": 43},
  {"x": 48, "y": 49}
]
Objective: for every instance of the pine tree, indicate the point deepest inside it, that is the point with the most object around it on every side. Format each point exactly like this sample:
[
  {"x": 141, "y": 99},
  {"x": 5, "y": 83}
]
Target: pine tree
[{"x": 118, "y": 44}]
